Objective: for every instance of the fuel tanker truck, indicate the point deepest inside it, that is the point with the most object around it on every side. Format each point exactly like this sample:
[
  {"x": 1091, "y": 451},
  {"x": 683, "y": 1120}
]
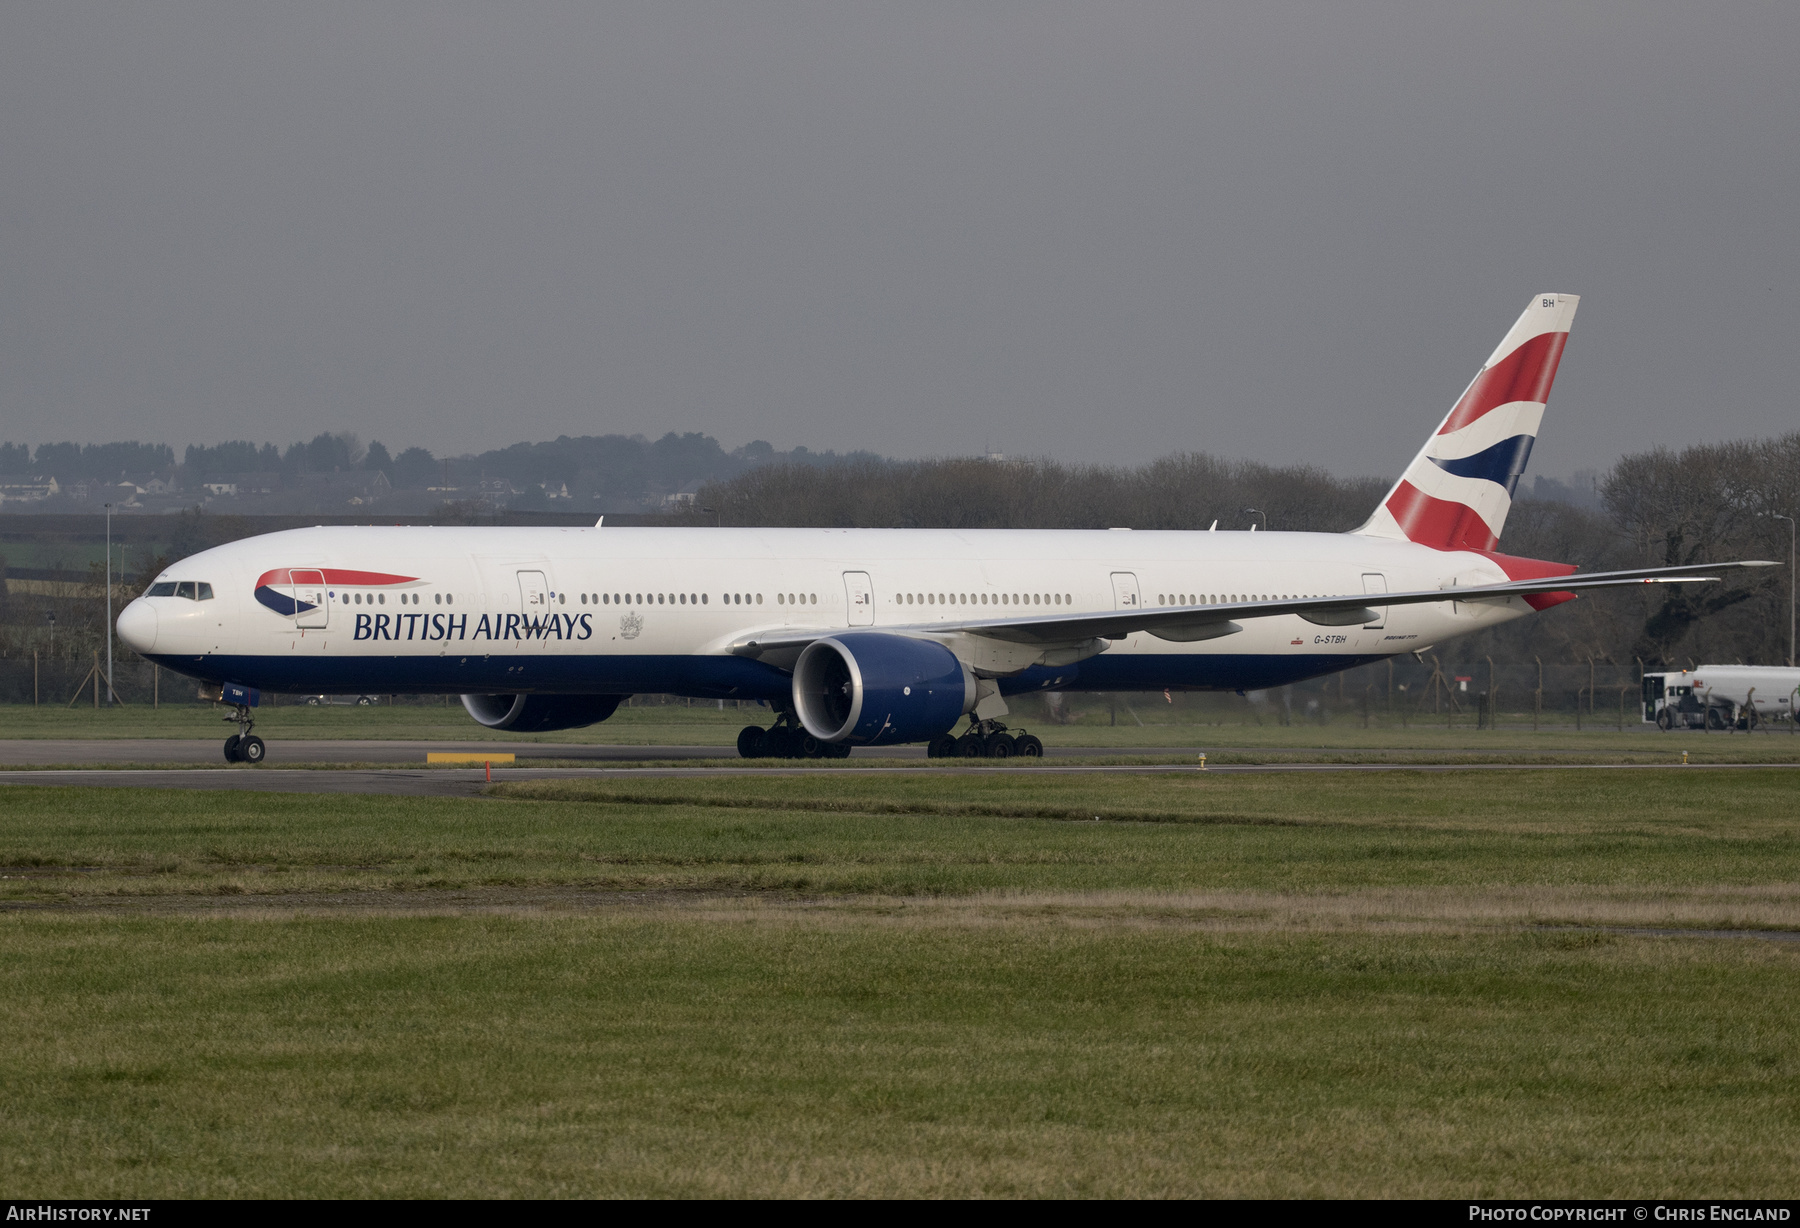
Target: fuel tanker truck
[{"x": 1721, "y": 696}]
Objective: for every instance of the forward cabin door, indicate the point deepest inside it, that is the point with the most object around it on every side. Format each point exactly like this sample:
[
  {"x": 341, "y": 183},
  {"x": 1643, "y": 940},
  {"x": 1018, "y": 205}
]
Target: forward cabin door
[
  {"x": 1375, "y": 582},
  {"x": 859, "y": 598},
  {"x": 312, "y": 609},
  {"x": 534, "y": 599}
]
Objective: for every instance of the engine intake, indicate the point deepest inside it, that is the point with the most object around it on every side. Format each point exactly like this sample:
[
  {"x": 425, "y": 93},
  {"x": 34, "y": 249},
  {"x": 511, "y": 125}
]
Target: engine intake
[
  {"x": 876, "y": 689},
  {"x": 540, "y": 713}
]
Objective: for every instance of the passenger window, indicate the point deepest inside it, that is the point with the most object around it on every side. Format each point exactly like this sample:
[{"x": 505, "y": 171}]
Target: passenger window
[{"x": 165, "y": 588}]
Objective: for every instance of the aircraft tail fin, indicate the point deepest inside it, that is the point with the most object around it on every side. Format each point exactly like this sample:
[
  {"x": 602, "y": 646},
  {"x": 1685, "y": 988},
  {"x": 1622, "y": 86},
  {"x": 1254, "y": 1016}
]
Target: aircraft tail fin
[{"x": 1458, "y": 489}]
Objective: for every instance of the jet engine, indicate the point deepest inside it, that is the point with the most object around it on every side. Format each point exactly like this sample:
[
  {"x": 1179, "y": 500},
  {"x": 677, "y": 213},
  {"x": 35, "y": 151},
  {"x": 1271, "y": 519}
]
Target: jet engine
[
  {"x": 540, "y": 713},
  {"x": 874, "y": 689}
]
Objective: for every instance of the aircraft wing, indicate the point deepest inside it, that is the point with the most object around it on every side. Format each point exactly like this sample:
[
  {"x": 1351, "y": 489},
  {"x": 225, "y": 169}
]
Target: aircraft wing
[{"x": 1204, "y": 622}]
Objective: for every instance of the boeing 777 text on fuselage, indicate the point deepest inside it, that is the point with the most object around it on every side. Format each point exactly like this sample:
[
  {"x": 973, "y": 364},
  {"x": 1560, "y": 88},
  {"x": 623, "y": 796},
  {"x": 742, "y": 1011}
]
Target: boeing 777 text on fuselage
[{"x": 870, "y": 637}]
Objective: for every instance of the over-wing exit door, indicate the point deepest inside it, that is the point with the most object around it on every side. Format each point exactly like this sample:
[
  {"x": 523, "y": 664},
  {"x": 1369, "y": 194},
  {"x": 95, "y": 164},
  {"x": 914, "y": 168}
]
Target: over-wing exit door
[
  {"x": 1125, "y": 597},
  {"x": 859, "y": 598},
  {"x": 1125, "y": 591}
]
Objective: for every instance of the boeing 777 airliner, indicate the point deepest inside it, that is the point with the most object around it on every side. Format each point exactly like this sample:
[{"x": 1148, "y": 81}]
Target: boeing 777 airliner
[{"x": 870, "y": 637}]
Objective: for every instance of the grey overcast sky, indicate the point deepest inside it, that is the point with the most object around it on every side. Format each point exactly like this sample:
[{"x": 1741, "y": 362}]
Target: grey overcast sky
[{"x": 1098, "y": 232}]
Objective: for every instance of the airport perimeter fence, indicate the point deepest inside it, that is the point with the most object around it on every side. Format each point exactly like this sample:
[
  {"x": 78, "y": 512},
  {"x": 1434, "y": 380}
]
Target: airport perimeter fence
[
  {"x": 1401, "y": 693},
  {"x": 1584, "y": 693}
]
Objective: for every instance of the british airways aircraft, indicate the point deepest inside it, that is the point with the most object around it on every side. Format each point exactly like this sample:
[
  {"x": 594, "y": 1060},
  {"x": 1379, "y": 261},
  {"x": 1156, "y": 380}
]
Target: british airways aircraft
[{"x": 870, "y": 637}]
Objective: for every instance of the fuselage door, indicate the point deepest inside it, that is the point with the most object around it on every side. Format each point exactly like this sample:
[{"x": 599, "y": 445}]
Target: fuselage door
[
  {"x": 1125, "y": 591},
  {"x": 311, "y": 609},
  {"x": 534, "y": 596},
  {"x": 1375, "y": 582},
  {"x": 859, "y": 598}
]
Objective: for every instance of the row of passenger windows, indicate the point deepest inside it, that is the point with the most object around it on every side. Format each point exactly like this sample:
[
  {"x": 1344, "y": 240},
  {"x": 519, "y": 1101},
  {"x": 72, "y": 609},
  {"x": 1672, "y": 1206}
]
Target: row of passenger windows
[
  {"x": 670, "y": 598},
  {"x": 381, "y": 598},
  {"x": 1223, "y": 598},
  {"x": 984, "y": 599}
]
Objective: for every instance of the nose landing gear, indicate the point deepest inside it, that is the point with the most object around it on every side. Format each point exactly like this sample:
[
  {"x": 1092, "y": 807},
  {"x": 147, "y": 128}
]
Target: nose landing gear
[{"x": 243, "y": 746}]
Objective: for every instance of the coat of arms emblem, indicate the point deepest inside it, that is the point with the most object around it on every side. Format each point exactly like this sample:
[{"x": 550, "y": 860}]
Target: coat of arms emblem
[{"x": 630, "y": 625}]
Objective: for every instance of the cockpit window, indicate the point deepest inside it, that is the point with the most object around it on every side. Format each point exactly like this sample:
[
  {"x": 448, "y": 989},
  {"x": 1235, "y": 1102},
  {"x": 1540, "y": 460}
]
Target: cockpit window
[{"x": 193, "y": 590}]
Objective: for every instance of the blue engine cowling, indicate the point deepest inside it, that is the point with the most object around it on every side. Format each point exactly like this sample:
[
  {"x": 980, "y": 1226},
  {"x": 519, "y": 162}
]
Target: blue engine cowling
[
  {"x": 540, "y": 713},
  {"x": 870, "y": 688}
]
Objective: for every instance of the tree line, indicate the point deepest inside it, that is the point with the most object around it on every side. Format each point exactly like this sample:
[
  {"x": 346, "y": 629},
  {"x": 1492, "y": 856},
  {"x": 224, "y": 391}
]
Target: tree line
[
  {"x": 1709, "y": 503},
  {"x": 583, "y": 464}
]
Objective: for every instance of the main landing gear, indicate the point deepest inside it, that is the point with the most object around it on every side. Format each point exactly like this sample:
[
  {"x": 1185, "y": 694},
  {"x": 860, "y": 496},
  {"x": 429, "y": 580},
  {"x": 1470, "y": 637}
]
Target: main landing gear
[
  {"x": 787, "y": 739},
  {"x": 985, "y": 740},
  {"x": 243, "y": 746}
]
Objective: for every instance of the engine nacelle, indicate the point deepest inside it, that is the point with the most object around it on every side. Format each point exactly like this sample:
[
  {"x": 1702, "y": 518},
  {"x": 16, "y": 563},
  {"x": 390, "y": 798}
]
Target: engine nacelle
[
  {"x": 871, "y": 688},
  {"x": 540, "y": 713}
]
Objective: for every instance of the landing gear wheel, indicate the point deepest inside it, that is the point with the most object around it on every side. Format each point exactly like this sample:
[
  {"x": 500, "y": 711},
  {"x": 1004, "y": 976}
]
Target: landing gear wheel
[
  {"x": 778, "y": 743},
  {"x": 839, "y": 750},
  {"x": 970, "y": 746},
  {"x": 231, "y": 748},
  {"x": 810, "y": 747},
  {"x": 1028, "y": 747},
  {"x": 1664, "y": 721},
  {"x": 753, "y": 742},
  {"x": 941, "y": 747},
  {"x": 997, "y": 746},
  {"x": 251, "y": 750}
]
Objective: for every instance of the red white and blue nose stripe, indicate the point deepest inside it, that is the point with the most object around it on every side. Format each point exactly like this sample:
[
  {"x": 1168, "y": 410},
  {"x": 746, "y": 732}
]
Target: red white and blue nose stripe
[{"x": 291, "y": 591}]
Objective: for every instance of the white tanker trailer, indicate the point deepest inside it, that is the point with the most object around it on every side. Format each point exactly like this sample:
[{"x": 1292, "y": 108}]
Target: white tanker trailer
[{"x": 1721, "y": 696}]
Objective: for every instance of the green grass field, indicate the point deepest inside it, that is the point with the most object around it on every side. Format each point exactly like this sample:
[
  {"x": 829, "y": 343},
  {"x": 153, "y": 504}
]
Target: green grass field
[{"x": 1429, "y": 985}]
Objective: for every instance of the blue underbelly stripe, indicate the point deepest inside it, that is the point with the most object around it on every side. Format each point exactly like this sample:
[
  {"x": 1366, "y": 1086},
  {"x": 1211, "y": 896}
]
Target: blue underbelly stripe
[{"x": 716, "y": 677}]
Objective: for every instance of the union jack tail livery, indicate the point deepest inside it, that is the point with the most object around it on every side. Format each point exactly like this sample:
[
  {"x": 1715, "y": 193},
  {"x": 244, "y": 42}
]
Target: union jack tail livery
[{"x": 1458, "y": 489}]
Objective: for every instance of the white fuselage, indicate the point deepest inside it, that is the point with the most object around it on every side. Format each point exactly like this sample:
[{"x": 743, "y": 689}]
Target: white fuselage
[{"x": 622, "y": 610}]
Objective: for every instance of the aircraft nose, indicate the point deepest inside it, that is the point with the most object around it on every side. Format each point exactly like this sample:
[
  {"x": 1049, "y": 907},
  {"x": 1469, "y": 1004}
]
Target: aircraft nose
[{"x": 137, "y": 626}]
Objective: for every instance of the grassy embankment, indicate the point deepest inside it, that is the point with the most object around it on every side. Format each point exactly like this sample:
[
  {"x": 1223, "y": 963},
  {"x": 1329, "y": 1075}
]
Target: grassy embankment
[{"x": 1327, "y": 985}]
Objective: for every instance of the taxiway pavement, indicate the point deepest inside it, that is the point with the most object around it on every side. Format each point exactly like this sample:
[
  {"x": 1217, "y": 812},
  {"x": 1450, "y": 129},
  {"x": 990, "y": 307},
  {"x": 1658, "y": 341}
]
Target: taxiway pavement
[{"x": 463, "y": 782}]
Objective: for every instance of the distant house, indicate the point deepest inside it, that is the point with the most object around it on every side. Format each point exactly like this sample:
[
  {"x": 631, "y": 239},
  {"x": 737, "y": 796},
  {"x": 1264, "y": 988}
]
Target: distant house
[
  {"x": 26, "y": 488},
  {"x": 359, "y": 488},
  {"x": 228, "y": 484},
  {"x": 686, "y": 495}
]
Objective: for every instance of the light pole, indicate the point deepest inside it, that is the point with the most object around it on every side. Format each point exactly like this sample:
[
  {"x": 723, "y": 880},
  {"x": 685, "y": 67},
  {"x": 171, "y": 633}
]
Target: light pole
[
  {"x": 1257, "y": 511},
  {"x": 109, "y": 627}
]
